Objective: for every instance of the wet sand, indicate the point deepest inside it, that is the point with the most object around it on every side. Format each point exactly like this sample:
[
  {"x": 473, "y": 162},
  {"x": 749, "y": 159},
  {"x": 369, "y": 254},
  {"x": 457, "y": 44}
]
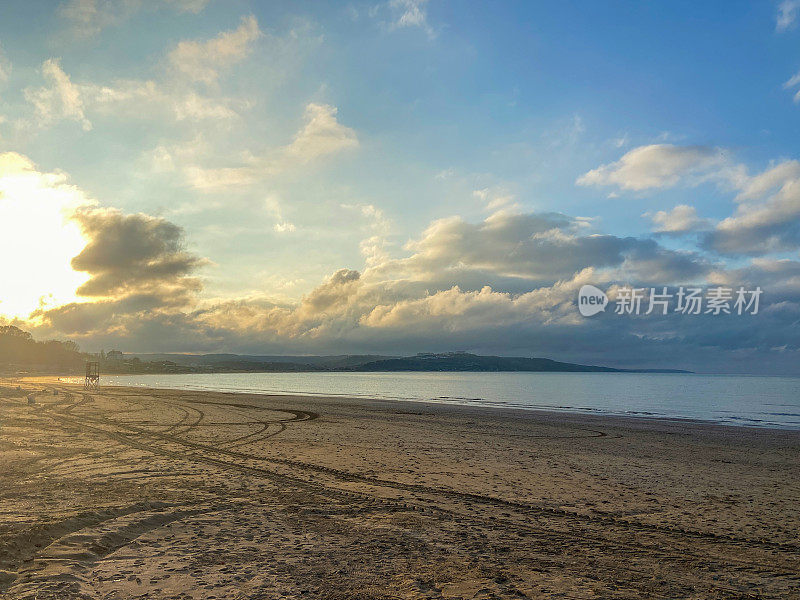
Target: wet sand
[{"x": 132, "y": 493}]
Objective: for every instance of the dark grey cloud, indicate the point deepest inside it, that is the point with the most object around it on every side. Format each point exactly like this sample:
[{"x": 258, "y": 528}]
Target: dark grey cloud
[
  {"x": 507, "y": 248},
  {"x": 87, "y": 319},
  {"x": 129, "y": 254},
  {"x": 140, "y": 271},
  {"x": 649, "y": 262}
]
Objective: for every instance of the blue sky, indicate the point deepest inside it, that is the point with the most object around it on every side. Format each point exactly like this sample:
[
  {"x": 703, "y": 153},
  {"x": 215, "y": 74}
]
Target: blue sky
[{"x": 256, "y": 155}]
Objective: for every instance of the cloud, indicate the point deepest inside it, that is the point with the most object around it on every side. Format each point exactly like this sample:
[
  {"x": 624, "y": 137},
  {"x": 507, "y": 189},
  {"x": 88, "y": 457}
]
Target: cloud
[
  {"x": 273, "y": 206},
  {"x": 681, "y": 219},
  {"x": 507, "y": 250},
  {"x": 321, "y": 135},
  {"x": 776, "y": 177},
  {"x": 410, "y": 13},
  {"x": 111, "y": 318},
  {"x": 658, "y": 166},
  {"x": 400, "y": 14},
  {"x": 173, "y": 94},
  {"x": 767, "y": 218},
  {"x": 131, "y": 254},
  {"x": 787, "y": 15},
  {"x": 139, "y": 273},
  {"x": 650, "y": 263},
  {"x": 333, "y": 306},
  {"x": 201, "y": 61},
  {"x": 496, "y": 199},
  {"x": 621, "y": 141},
  {"x": 217, "y": 179},
  {"x": 376, "y": 225},
  {"x": 456, "y": 310},
  {"x": 87, "y": 18},
  {"x": 780, "y": 277},
  {"x": 793, "y": 81},
  {"x": 61, "y": 100},
  {"x": 377, "y": 221},
  {"x": 284, "y": 227},
  {"x": 88, "y": 260}
]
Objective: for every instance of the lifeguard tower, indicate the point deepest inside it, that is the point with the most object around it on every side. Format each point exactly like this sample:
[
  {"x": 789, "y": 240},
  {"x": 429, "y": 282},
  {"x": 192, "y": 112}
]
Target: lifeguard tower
[{"x": 92, "y": 381}]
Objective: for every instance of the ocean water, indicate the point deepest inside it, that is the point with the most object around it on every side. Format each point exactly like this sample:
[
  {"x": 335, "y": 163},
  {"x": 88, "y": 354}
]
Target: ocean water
[{"x": 728, "y": 399}]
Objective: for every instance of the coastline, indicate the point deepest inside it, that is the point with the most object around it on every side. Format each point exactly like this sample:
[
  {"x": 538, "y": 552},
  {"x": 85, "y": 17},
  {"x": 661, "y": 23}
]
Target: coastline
[
  {"x": 405, "y": 500},
  {"x": 752, "y": 416}
]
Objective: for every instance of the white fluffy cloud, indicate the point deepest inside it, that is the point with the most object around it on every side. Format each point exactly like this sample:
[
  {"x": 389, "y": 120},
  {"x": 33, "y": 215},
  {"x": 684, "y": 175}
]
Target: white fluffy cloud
[
  {"x": 767, "y": 218},
  {"x": 767, "y": 215},
  {"x": 496, "y": 199},
  {"x": 322, "y": 134},
  {"x": 758, "y": 186},
  {"x": 658, "y": 166},
  {"x": 456, "y": 310},
  {"x": 681, "y": 219}
]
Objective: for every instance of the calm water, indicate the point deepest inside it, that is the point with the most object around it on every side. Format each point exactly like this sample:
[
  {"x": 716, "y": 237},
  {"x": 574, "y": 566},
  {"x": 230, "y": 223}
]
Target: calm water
[{"x": 730, "y": 399}]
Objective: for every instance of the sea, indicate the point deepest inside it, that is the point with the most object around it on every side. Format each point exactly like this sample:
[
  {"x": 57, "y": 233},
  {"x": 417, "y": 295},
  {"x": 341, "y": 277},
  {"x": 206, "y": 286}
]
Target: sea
[{"x": 751, "y": 401}]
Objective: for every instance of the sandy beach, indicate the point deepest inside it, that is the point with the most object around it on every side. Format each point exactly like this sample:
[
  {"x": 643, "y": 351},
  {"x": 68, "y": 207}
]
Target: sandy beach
[{"x": 135, "y": 493}]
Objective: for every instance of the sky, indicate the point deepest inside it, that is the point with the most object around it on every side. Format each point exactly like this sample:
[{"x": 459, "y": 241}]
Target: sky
[{"x": 401, "y": 176}]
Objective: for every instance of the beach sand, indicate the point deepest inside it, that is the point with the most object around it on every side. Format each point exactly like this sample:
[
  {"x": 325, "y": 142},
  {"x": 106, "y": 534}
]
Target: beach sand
[{"x": 134, "y": 493}]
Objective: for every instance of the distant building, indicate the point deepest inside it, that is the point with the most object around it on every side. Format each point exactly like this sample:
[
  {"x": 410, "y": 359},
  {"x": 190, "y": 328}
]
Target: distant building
[{"x": 114, "y": 355}]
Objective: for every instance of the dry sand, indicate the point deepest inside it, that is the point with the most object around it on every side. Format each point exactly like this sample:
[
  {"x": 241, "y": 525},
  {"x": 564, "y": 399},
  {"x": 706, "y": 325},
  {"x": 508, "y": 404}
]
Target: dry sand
[{"x": 131, "y": 493}]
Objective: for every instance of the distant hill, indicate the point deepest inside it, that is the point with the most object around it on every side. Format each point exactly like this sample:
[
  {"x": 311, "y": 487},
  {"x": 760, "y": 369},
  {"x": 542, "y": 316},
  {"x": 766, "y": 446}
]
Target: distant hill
[
  {"x": 463, "y": 361},
  {"x": 325, "y": 362},
  {"x": 449, "y": 361},
  {"x": 19, "y": 353}
]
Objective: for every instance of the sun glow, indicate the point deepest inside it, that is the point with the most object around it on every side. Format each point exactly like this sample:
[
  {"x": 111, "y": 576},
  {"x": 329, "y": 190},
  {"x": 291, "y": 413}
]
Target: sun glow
[{"x": 37, "y": 238}]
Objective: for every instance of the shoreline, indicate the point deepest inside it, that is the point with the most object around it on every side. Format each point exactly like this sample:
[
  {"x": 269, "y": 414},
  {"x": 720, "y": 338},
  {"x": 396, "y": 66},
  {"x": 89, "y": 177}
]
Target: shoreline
[
  {"x": 554, "y": 413},
  {"x": 685, "y": 426},
  {"x": 479, "y": 403}
]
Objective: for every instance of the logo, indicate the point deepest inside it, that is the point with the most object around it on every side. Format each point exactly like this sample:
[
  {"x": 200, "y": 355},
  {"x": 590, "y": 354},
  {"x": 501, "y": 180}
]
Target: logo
[
  {"x": 687, "y": 300},
  {"x": 591, "y": 300}
]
